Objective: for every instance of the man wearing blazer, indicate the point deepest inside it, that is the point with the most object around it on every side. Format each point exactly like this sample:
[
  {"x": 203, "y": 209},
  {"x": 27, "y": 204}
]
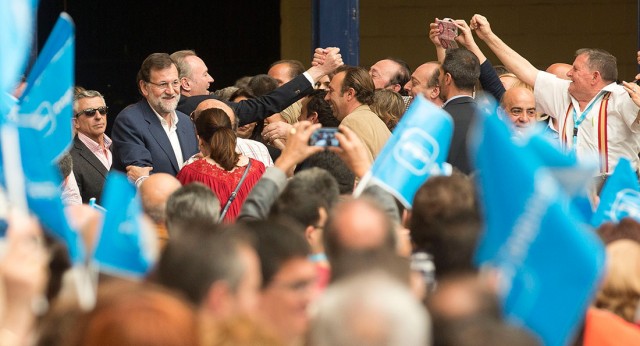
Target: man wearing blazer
[
  {"x": 91, "y": 147},
  {"x": 150, "y": 136},
  {"x": 458, "y": 76},
  {"x": 195, "y": 81}
]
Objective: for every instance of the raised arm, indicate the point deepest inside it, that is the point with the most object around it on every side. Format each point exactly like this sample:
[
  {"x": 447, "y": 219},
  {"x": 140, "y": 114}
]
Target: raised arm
[
  {"x": 434, "y": 31},
  {"x": 488, "y": 78},
  {"x": 274, "y": 180},
  {"x": 276, "y": 101},
  {"x": 330, "y": 60},
  {"x": 465, "y": 38},
  {"x": 513, "y": 61}
]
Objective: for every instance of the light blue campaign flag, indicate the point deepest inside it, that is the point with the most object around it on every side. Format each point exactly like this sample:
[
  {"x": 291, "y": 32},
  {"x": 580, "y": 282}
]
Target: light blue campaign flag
[
  {"x": 16, "y": 35},
  {"x": 549, "y": 265},
  {"x": 126, "y": 247},
  {"x": 574, "y": 176},
  {"x": 46, "y": 108},
  {"x": 620, "y": 196},
  {"x": 62, "y": 30},
  {"x": 416, "y": 150},
  {"x": 31, "y": 139},
  {"x": 7, "y": 103},
  {"x": 42, "y": 184}
]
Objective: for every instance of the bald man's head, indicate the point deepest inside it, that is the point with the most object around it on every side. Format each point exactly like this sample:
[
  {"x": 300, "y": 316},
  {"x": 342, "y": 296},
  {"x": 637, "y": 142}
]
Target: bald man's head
[
  {"x": 520, "y": 105},
  {"x": 559, "y": 70},
  {"x": 213, "y": 103},
  {"x": 154, "y": 193},
  {"x": 358, "y": 225}
]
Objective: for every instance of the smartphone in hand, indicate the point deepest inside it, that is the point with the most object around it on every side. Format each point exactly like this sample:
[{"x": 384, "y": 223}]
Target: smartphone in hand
[
  {"x": 448, "y": 33},
  {"x": 324, "y": 137}
]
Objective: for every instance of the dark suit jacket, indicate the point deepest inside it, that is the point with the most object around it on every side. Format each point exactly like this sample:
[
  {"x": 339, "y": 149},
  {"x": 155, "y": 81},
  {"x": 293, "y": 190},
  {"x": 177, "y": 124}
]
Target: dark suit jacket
[
  {"x": 259, "y": 108},
  {"x": 139, "y": 140},
  {"x": 90, "y": 173},
  {"x": 463, "y": 111}
]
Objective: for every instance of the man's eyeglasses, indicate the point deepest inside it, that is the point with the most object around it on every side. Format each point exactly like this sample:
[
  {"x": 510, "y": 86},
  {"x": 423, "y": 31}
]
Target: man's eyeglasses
[
  {"x": 164, "y": 85},
  {"x": 90, "y": 112}
]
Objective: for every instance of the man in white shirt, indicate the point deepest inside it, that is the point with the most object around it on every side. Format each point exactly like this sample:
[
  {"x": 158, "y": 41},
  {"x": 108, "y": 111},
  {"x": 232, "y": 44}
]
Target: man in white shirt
[
  {"x": 150, "y": 135},
  {"x": 596, "y": 117}
]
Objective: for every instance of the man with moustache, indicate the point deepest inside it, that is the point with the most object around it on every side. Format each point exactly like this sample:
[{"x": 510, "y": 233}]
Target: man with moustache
[
  {"x": 91, "y": 147},
  {"x": 150, "y": 136}
]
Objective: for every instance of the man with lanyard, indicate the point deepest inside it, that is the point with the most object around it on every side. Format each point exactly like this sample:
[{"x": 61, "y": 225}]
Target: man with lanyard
[{"x": 597, "y": 117}]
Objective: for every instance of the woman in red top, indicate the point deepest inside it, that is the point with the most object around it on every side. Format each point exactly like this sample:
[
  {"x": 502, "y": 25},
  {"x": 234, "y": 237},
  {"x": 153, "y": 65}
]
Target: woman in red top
[{"x": 221, "y": 167}]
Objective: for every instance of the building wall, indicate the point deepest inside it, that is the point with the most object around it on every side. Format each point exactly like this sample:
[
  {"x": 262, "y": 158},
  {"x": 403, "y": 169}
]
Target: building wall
[{"x": 543, "y": 31}]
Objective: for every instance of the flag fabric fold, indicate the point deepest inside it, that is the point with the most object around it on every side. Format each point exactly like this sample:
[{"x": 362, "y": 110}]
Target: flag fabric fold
[
  {"x": 126, "y": 247},
  {"x": 36, "y": 132},
  {"x": 46, "y": 107},
  {"x": 548, "y": 263},
  {"x": 620, "y": 196},
  {"x": 416, "y": 150}
]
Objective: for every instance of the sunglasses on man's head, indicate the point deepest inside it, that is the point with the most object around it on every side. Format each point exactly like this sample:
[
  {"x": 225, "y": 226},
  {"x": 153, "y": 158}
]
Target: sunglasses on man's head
[{"x": 89, "y": 112}]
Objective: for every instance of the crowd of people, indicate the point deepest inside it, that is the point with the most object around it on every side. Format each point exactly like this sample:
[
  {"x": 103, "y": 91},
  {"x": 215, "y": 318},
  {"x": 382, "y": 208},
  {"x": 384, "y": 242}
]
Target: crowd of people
[{"x": 261, "y": 241}]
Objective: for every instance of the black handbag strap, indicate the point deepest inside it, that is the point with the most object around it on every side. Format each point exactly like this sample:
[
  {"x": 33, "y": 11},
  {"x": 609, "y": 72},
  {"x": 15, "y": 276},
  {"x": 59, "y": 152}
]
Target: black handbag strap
[{"x": 234, "y": 193}]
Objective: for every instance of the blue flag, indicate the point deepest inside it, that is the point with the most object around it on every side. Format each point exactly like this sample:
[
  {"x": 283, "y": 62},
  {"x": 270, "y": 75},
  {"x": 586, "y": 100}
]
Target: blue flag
[
  {"x": 31, "y": 140},
  {"x": 43, "y": 197},
  {"x": 548, "y": 264},
  {"x": 16, "y": 35},
  {"x": 620, "y": 196},
  {"x": 62, "y": 30},
  {"x": 574, "y": 176},
  {"x": 416, "y": 150},
  {"x": 7, "y": 103},
  {"x": 46, "y": 108},
  {"x": 125, "y": 248}
]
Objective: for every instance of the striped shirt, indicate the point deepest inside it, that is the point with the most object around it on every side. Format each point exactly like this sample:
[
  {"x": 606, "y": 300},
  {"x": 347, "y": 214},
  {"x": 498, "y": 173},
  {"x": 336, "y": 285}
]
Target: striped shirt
[{"x": 254, "y": 150}]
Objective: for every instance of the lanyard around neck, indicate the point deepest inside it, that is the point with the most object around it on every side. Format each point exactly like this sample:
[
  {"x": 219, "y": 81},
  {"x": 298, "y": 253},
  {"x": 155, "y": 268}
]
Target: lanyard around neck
[{"x": 578, "y": 120}]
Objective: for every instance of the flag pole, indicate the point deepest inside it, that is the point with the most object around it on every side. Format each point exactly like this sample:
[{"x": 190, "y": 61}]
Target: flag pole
[{"x": 14, "y": 173}]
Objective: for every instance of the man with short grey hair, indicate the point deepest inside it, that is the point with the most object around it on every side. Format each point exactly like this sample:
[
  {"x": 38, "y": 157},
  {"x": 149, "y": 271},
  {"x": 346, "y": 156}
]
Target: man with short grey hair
[
  {"x": 193, "y": 73},
  {"x": 91, "y": 146},
  {"x": 370, "y": 309},
  {"x": 194, "y": 202},
  {"x": 195, "y": 81}
]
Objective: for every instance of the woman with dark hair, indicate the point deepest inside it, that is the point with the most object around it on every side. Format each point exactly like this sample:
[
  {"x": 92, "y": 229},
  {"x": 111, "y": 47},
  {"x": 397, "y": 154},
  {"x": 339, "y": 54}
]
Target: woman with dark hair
[{"x": 230, "y": 175}]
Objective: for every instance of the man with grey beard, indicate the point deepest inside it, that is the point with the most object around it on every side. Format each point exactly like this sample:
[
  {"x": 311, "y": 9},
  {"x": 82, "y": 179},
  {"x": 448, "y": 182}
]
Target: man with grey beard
[{"x": 150, "y": 136}]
